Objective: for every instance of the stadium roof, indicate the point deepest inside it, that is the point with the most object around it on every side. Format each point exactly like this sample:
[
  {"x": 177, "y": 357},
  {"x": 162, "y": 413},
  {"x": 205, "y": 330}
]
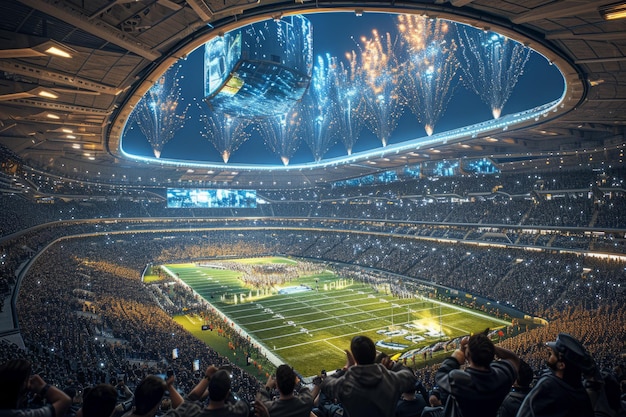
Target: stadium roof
[{"x": 64, "y": 116}]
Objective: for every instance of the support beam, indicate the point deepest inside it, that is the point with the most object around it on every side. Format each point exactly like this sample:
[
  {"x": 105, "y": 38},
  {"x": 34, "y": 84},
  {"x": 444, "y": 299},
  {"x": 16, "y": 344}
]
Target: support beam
[
  {"x": 604, "y": 36},
  {"x": 460, "y": 3},
  {"x": 53, "y": 106},
  {"x": 607, "y": 100},
  {"x": 40, "y": 73},
  {"x": 65, "y": 12},
  {"x": 558, "y": 9},
  {"x": 601, "y": 60}
]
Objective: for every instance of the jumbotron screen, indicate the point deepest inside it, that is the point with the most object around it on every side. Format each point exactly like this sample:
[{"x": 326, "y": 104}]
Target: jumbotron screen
[{"x": 210, "y": 198}]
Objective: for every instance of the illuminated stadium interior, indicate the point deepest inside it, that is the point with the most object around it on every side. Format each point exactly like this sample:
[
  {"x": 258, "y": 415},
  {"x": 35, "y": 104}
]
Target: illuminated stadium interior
[{"x": 253, "y": 182}]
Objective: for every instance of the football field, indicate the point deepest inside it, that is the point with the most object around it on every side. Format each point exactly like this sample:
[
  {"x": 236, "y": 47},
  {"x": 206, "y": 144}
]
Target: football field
[{"x": 309, "y": 321}]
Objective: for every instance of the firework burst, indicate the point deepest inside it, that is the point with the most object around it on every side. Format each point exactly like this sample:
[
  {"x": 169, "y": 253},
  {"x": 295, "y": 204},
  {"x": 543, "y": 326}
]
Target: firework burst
[
  {"x": 380, "y": 74},
  {"x": 492, "y": 64},
  {"x": 224, "y": 131},
  {"x": 157, "y": 115},
  {"x": 430, "y": 67},
  {"x": 282, "y": 133}
]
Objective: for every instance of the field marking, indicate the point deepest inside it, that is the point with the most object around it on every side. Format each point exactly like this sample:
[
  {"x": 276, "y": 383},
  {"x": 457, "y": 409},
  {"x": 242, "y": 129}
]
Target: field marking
[
  {"x": 333, "y": 346},
  {"x": 315, "y": 301},
  {"x": 342, "y": 324},
  {"x": 326, "y": 311},
  {"x": 329, "y": 311},
  {"x": 352, "y": 324},
  {"x": 326, "y": 339},
  {"x": 329, "y": 316},
  {"x": 299, "y": 300},
  {"x": 192, "y": 321}
]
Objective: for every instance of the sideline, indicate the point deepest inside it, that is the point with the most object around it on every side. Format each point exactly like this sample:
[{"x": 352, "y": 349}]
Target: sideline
[{"x": 273, "y": 358}]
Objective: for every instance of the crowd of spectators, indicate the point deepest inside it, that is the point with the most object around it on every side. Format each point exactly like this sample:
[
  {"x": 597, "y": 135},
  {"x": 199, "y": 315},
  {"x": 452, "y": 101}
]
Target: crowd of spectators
[
  {"x": 507, "y": 272},
  {"x": 582, "y": 198},
  {"x": 126, "y": 335},
  {"x": 86, "y": 318}
]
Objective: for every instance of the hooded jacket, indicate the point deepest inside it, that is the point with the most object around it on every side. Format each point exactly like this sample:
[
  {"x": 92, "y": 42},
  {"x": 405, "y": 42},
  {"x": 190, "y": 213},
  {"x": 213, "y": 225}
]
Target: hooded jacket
[
  {"x": 477, "y": 392},
  {"x": 554, "y": 397},
  {"x": 369, "y": 390}
]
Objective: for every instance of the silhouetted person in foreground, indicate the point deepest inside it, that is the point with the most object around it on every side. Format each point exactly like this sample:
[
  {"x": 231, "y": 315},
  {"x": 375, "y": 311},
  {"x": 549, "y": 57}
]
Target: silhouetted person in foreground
[
  {"x": 560, "y": 391},
  {"x": 16, "y": 382},
  {"x": 480, "y": 388},
  {"x": 366, "y": 388}
]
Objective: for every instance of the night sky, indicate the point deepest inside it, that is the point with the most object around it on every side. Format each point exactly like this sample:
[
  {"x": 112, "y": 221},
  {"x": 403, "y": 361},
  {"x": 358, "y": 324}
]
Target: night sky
[{"x": 338, "y": 33}]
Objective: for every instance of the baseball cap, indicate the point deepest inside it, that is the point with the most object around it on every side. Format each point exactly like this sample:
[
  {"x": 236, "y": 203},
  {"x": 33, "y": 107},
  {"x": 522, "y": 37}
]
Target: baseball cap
[{"x": 572, "y": 351}]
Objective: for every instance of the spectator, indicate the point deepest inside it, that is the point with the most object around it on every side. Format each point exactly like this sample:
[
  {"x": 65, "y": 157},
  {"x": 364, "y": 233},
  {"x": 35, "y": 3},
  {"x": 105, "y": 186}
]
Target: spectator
[
  {"x": 520, "y": 389},
  {"x": 16, "y": 381},
  {"x": 77, "y": 400},
  {"x": 410, "y": 405},
  {"x": 288, "y": 404},
  {"x": 436, "y": 407},
  {"x": 221, "y": 401},
  {"x": 560, "y": 392},
  {"x": 365, "y": 388},
  {"x": 99, "y": 402},
  {"x": 149, "y": 394},
  {"x": 481, "y": 387}
]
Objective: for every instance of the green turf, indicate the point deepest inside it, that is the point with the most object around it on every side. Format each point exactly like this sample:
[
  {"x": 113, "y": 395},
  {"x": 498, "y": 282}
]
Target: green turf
[
  {"x": 149, "y": 279},
  {"x": 266, "y": 260},
  {"x": 325, "y": 319},
  {"x": 219, "y": 343}
]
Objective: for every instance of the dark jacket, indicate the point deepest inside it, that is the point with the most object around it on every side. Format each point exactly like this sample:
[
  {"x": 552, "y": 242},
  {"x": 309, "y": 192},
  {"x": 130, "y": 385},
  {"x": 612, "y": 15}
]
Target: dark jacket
[
  {"x": 553, "y": 397},
  {"x": 511, "y": 403},
  {"x": 369, "y": 390},
  {"x": 300, "y": 405},
  {"x": 433, "y": 411},
  {"x": 478, "y": 393}
]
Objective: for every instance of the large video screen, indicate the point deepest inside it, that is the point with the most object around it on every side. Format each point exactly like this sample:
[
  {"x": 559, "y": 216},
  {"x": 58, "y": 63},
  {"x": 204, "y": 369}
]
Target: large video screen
[{"x": 210, "y": 198}]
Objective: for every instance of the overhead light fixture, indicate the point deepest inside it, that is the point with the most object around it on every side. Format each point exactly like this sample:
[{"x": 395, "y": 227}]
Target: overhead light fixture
[
  {"x": 53, "y": 116},
  {"x": 35, "y": 92},
  {"x": 613, "y": 11},
  {"x": 49, "y": 47},
  {"x": 55, "y": 48},
  {"x": 47, "y": 94}
]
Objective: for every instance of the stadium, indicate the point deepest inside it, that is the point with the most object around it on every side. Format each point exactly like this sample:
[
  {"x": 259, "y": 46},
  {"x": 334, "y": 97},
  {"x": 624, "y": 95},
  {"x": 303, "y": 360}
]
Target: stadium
[{"x": 187, "y": 183}]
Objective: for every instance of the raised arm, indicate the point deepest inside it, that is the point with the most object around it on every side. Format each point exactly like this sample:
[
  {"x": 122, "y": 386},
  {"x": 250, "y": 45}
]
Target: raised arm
[
  {"x": 198, "y": 391},
  {"x": 57, "y": 398},
  {"x": 507, "y": 355}
]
